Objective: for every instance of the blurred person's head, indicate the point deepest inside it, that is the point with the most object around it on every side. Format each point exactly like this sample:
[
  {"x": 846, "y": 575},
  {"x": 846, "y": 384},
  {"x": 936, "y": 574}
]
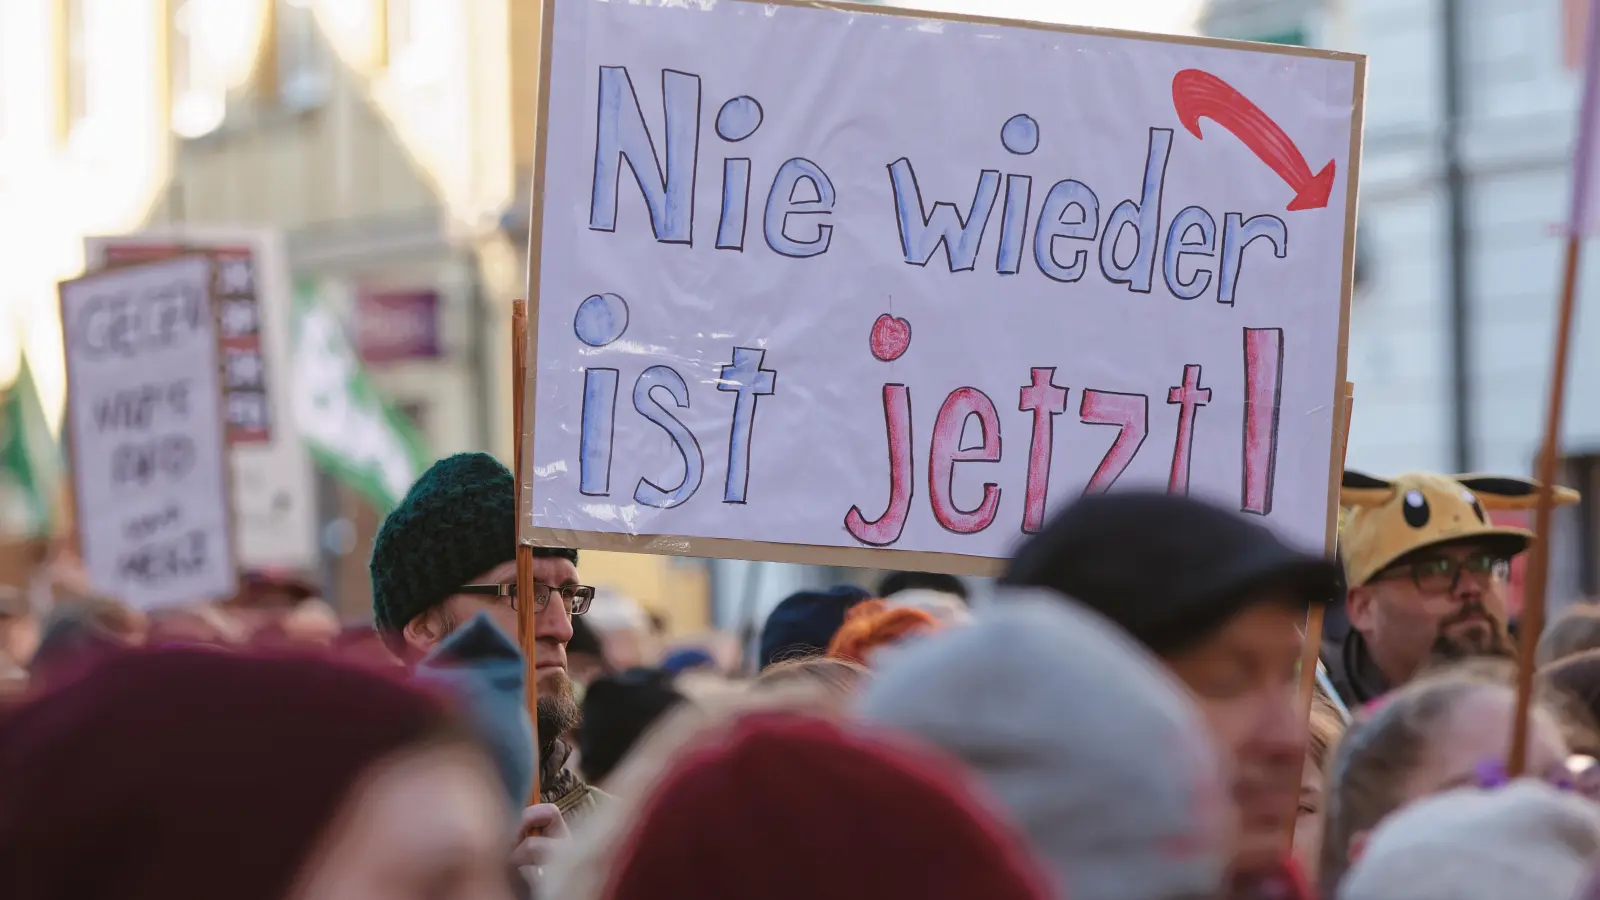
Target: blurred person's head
[
  {"x": 1527, "y": 840},
  {"x": 804, "y": 623},
  {"x": 837, "y": 679},
  {"x": 948, "y": 609},
  {"x": 271, "y": 588},
  {"x": 1088, "y": 743},
  {"x": 895, "y": 583},
  {"x": 688, "y": 659},
  {"x": 617, "y": 711},
  {"x": 872, "y": 625},
  {"x": 312, "y": 622},
  {"x": 19, "y": 629},
  {"x": 185, "y": 772},
  {"x": 447, "y": 552},
  {"x": 758, "y": 830},
  {"x": 200, "y": 623},
  {"x": 361, "y": 644},
  {"x": 1448, "y": 728},
  {"x": 582, "y": 869},
  {"x": 1575, "y": 631},
  {"x": 1221, "y": 600},
  {"x": 79, "y": 632},
  {"x": 1427, "y": 570},
  {"x": 586, "y": 654},
  {"x": 1326, "y": 725}
]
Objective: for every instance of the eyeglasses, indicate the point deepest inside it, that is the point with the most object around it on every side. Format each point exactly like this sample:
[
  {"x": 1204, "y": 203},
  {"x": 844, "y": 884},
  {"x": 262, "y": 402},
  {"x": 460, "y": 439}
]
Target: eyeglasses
[
  {"x": 575, "y": 597},
  {"x": 1441, "y": 576}
]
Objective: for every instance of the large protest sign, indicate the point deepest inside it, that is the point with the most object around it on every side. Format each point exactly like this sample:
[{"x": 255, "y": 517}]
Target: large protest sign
[
  {"x": 274, "y": 500},
  {"x": 814, "y": 282},
  {"x": 145, "y": 423}
]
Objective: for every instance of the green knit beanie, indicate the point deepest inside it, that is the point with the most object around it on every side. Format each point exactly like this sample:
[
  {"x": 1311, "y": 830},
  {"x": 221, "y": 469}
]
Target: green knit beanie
[{"x": 458, "y": 521}]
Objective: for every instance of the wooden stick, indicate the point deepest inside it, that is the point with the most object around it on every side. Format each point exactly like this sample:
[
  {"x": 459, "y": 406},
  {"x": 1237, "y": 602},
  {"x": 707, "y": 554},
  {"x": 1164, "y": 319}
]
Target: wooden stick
[
  {"x": 527, "y": 635},
  {"x": 1310, "y": 650},
  {"x": 1533, "y": 595}
]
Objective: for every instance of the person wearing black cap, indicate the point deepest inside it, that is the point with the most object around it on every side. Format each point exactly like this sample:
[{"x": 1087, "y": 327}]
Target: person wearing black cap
[{"x": 1221, "y": 601}]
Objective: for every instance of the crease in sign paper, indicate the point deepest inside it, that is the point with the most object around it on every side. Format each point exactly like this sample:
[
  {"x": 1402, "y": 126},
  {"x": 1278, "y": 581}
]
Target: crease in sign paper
[{"x": 1136, "y": 282}]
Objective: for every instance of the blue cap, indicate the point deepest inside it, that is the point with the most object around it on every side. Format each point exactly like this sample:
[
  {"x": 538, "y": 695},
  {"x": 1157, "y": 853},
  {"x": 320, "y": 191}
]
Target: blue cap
[{"x": 805, "y": 622}]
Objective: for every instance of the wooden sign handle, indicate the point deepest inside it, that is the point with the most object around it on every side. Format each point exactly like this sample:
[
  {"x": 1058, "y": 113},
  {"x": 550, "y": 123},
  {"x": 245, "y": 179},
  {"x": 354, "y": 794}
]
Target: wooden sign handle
[{"x": 527, "y": 636}]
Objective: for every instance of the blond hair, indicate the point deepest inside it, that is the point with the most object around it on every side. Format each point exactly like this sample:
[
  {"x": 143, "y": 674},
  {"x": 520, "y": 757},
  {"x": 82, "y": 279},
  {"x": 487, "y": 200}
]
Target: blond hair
[{"x": 584, "y": 870}]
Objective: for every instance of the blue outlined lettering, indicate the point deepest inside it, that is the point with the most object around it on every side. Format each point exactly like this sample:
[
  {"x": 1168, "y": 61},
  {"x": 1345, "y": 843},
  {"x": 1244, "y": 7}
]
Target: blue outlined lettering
[
  {"x": 648, "y": 492},
  {"x": 1180, "y": 244},
  {"x": 922, "y": 232},
  {"x": 597, "y": 432},
  {"x": 785, "y": 200},
  {"x": 1144, "y": 216},
  {"x": 1014, "y": 224},
  {"x": 1066, "y": 198},
  {"x": 622, "y": 135},
  {"x": 749, "y": 382},
  {"x": 1237, "y": 234},
  {"x": 735, "y": 203}
]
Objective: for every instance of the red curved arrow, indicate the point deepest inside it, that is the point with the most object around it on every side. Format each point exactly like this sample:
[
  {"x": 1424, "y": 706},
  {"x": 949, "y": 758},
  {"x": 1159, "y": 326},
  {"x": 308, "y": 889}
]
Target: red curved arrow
[{"x": 1197, "y": 94}]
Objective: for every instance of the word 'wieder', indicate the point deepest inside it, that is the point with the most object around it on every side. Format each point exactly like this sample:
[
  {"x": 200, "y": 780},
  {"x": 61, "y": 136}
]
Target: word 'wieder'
[{"x": 1195, "y": 254}]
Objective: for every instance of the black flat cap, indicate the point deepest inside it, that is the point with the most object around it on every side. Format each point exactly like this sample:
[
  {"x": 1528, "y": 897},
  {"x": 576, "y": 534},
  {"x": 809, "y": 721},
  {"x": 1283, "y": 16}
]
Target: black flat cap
[{"x": 1169, "y": 569}]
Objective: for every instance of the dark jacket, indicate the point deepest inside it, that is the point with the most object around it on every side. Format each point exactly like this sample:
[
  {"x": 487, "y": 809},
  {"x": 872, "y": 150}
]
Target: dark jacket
[
  {"x": 1350, "y": 665},
  {"x": 560, "y": 785}
]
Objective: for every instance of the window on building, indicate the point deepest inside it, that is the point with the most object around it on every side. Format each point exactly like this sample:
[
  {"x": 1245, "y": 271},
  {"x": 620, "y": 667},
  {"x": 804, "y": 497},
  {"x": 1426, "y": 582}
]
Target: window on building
[
  {"x": 1574, "y": 31},
  {"x": 305, "y": 68},
  {"x": 74, "y": 64},
  {"x": 414, "y": 35},
  {"x": 87, "y": 50},
  {"x": 199, "y": 88}
]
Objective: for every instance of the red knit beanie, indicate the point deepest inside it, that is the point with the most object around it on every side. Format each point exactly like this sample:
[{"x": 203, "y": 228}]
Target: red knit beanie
[
  {"x": 190, "y": 773},
  {"x": 786, "y": 807}
]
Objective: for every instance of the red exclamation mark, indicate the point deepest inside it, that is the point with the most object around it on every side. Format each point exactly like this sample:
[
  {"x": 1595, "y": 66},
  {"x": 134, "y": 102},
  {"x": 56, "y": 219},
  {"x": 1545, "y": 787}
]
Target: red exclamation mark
[{"x": 1263, "y": 386}]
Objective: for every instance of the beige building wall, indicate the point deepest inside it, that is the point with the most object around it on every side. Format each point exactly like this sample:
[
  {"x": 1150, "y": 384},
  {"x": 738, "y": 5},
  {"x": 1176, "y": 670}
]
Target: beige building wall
[{"x": 389, "y": 140}]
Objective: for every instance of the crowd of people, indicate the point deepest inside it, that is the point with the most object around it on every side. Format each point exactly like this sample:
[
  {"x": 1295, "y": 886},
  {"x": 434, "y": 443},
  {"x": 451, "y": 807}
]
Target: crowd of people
[{"x": 1121, "y": 720}]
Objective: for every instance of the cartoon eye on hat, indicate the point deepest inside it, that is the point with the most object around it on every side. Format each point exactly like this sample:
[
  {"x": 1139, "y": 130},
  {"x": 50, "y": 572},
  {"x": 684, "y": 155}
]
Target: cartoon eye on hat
[{"x": 1416, "y": 509}]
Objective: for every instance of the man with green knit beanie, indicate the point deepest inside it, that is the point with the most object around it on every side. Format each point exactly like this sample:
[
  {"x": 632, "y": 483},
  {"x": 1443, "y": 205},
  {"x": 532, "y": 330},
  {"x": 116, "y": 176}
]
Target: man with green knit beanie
[{"x": 448, "y": 553}]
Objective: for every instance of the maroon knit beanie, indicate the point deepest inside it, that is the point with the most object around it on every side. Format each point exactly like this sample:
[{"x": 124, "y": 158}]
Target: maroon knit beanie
[
  {"x": 190, "y": 773},
  {"x": 786, "y": 807}
]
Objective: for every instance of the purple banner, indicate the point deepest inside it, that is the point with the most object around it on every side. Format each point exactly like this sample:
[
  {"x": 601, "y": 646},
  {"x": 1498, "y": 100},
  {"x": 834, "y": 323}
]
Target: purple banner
[{"x": 395, "y": 326}]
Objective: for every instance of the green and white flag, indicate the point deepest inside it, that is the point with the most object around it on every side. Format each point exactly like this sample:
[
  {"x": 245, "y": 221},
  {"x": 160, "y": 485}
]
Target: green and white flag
[
  {"x": 30, "y": 460},
  {"x": 353, "y": 433}
]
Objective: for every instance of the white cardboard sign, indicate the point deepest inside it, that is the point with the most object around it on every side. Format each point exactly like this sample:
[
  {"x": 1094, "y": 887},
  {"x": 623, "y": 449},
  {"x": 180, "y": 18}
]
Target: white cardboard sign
[
  {"x": 274, "y": 490},
  {"x": 847, "y": 279},
  {"x": 144, "y": 409}
]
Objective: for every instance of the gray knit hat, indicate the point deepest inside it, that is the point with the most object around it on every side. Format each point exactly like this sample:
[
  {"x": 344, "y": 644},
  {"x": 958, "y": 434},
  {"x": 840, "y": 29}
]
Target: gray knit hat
[
  {"x": 1527, "y": 841},
  {"x": 1089, "y": 745}
]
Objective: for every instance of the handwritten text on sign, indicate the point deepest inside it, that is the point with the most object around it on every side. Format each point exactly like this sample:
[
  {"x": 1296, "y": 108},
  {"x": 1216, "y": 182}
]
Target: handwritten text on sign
[
  {"x": 846, "y": 279},
  {"x": 145, "y": 413}
]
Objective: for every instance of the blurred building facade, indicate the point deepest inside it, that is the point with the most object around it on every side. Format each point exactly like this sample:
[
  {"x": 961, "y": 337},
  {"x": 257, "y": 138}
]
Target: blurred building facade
[
  {"x": 387, "y": 140},
  {"x": 1470, "y": 120}
]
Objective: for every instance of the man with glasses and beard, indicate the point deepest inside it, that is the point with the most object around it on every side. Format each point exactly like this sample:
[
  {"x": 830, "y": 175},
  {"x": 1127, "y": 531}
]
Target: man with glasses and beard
[
  {"x": 1426, "y": 573},
  {"x": 445, "y": 555}
]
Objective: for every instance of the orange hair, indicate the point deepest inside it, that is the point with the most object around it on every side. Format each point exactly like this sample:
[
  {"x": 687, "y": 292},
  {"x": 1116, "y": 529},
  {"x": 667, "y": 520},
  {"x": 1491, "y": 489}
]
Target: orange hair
[{"x": 871, "y": 624}]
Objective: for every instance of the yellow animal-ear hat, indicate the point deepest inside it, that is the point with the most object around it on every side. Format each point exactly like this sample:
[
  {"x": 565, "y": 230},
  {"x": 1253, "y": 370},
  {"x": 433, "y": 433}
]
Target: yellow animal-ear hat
[{"x": 1385, "y": 519}]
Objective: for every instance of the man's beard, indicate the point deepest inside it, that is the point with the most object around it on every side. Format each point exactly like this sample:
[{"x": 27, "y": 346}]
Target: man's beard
[
  {"x": 557, "y": 715},
  {"x": 1491, "y": 639}
]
